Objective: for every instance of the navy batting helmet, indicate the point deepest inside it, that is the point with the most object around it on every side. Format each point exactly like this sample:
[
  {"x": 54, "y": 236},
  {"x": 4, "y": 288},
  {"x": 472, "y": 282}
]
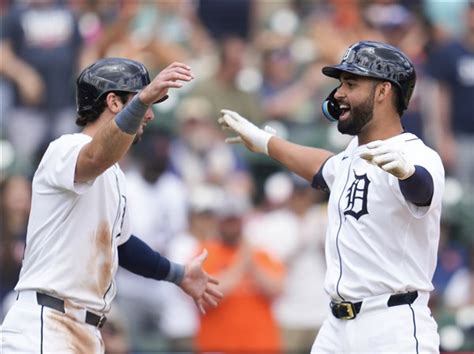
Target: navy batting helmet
[
  {"x": 106, "y": 75},
  {"x": 379, "y": 61}
]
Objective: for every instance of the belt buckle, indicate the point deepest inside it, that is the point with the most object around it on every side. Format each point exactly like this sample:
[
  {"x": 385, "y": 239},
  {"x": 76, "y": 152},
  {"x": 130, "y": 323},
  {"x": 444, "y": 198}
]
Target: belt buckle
[
  {"x": 101, "y": 322},
  {"x": 345, "y": 310}
]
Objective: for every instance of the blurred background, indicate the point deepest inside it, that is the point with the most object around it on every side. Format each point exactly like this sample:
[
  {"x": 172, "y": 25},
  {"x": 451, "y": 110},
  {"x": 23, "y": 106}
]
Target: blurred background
[{"x": 264, "y": 227}]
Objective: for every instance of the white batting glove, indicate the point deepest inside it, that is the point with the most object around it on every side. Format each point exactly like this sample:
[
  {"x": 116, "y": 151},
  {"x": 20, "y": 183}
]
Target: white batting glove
[
  {"x": 388, "y": 158},
  {"x": 254, "y": 138}
]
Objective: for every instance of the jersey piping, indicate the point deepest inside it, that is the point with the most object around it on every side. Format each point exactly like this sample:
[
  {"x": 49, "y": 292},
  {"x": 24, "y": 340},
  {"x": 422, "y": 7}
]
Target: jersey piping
[{"x": 341, "y": 213}]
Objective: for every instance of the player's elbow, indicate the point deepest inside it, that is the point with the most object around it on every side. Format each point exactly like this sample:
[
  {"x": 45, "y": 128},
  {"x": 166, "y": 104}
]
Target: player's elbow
[{"x": 90, "y": 165}]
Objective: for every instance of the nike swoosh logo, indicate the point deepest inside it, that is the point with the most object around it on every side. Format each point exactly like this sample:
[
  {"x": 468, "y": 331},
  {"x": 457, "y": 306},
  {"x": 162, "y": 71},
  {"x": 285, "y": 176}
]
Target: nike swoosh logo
[{"x": 345, "y": 157}]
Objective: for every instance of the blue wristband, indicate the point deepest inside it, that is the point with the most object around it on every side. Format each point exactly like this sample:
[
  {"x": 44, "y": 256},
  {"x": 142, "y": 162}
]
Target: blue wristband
[
  {"x": 176, "y": 273},
  {"x": 130, "y": 118}
]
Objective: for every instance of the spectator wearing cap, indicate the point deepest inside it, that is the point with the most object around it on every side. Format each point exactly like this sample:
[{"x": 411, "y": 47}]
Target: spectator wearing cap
[{"x": 250, "y": 280}]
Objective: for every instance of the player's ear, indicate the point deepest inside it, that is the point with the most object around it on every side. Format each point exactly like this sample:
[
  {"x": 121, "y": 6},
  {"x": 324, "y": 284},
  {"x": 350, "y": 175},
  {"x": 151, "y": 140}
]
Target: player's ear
[
  {"x": 382, "y": 90},
  {"x": 113, "y": 102}
]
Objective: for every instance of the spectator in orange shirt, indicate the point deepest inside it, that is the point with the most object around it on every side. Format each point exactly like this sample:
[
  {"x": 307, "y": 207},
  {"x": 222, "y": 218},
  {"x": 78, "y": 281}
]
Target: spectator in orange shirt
[{"x": 250, "y": 280}]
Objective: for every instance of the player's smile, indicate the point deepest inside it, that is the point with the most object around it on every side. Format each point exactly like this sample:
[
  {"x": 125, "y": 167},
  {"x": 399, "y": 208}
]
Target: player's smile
[{"x": 346, "y": 111}]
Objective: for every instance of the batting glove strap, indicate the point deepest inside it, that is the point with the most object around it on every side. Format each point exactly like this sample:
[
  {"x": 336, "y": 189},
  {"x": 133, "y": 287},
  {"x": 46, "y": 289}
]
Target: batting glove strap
[
  {"x": 248, "y": 133},
  {"x": 388, "y": 158}
]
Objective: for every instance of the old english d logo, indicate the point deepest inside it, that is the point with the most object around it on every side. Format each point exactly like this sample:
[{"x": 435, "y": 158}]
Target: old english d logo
[{"x": 357, "y": 196}]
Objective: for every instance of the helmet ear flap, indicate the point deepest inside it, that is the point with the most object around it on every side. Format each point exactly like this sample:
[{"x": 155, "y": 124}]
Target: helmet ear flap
[{"x": 330, "y": 107}]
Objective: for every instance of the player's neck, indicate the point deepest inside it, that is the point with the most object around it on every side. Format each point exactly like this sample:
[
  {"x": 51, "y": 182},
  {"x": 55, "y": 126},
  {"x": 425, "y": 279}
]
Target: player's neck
[
  {"x": 381, "y": 128},
  {"x": 92, "y": 128}
]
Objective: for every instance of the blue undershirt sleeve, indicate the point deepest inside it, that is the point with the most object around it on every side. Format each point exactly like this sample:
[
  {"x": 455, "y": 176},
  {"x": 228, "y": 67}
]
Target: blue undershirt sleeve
[
  {"x": 137, "y": 257},
  {"x": 318, "y": 179},
  {"x": 418, "y": 188}
]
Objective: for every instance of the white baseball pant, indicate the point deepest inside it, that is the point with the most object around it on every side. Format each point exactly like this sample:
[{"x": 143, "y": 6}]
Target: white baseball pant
[
  {"x": 32, "y": 328},
  {"x": 381, "y": 329}
]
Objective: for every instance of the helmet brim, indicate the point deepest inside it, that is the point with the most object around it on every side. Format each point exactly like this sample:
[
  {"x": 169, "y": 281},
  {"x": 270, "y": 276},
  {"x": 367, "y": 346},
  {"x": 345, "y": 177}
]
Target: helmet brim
[
  {"x": 335, "y": 71},
  {"x": 164, "y": 98}
]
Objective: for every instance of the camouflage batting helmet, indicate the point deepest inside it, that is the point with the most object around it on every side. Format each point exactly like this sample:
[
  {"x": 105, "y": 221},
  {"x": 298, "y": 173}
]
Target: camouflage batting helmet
[{"x": 379, "y": 61}]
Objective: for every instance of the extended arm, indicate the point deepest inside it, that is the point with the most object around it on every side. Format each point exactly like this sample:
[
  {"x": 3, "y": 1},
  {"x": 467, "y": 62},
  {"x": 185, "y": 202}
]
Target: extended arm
[
  {"x": 149, "y": 264},
  {"x": 109, "y": 144},
  {"x": 137, "y": 257},
  {"x": 304, "y": 161}
]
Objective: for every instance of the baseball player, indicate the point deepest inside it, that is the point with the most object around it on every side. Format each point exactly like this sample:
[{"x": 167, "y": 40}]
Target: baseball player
[
  {"x": 79, "y": 231},
  {"x": 384, "y": 206}
]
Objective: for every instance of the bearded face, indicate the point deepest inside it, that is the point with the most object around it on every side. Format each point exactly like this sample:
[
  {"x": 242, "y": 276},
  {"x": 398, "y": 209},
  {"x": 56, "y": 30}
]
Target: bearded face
[
  {"x": 357, "y": 108},
  {"x": 358, "y": 116},
  {"x": 139, "y": 134}
]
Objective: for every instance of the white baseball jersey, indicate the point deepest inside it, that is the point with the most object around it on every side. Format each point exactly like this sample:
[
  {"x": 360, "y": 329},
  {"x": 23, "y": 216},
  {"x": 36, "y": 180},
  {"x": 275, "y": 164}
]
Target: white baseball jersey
[
  {"x": 377, "y": 242},
  {"x": 74, "y": 229}
]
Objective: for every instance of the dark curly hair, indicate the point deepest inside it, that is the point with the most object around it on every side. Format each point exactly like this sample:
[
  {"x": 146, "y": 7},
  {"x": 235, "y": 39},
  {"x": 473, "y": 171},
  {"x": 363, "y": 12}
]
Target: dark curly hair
[
  {"x": 398, "y": 100},
  {"x": 99, "y": 107}
]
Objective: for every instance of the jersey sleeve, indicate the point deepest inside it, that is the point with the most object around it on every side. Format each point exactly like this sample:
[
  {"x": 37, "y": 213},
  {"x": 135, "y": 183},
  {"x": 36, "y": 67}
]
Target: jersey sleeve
[
  {"x": 57, "y": 169},
  {"x": 324, "y": 178}
]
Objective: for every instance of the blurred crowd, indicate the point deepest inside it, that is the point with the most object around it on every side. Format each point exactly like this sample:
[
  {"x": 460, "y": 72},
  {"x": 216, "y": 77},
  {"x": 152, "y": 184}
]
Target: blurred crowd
[{"x": 264, "y": 228}]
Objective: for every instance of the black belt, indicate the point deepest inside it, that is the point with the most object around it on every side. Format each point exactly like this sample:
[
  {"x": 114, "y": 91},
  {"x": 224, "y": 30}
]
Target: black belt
[
  {"x": 347, "y": 310},
  {"x": 58, "y": 305}
]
